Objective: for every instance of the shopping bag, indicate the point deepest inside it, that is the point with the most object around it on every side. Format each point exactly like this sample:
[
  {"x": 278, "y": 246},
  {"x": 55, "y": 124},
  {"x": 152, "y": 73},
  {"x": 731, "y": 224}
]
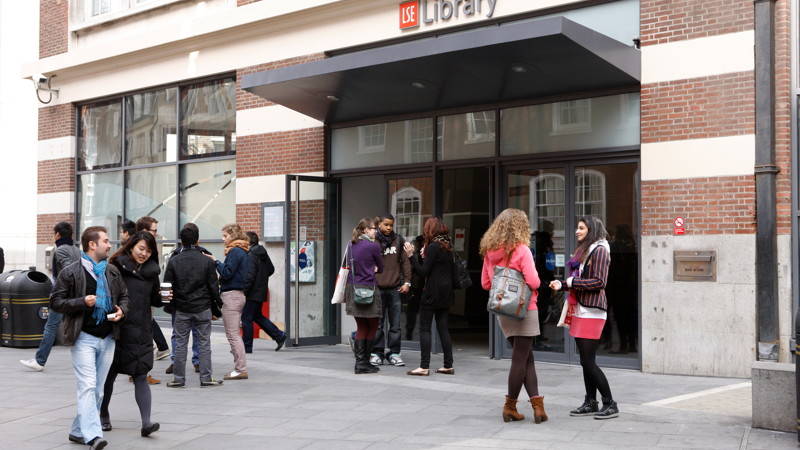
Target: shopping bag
[{"x": 341, "y": 280}]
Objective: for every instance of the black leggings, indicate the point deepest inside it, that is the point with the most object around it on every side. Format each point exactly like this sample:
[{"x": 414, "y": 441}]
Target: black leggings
[
  {"x": 425, "y": 318},
  {"x": 141, "y": 391},
  {"x": 366, "y": 327},
  {"x": 158, "y": 337},
  {"x": 522, "y": 369},
  {"x": 593, "y": 378}
]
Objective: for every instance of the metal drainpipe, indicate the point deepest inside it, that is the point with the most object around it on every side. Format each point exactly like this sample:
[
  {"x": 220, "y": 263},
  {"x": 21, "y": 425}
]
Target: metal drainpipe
[{"x": 765, "y": 174}]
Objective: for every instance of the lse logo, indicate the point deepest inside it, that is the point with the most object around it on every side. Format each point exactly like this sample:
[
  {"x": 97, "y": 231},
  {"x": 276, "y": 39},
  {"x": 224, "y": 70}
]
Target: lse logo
[{"x": 409, "y": 14}]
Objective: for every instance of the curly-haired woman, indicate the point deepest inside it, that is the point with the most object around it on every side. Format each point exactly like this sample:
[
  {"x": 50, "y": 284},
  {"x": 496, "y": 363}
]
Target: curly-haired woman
[{"x": 506, "y": 243}]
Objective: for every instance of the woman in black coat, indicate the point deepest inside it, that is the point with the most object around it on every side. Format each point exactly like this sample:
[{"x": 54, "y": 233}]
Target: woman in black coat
[
  {"x": 137, "y": 261},
  {"x": 438, "y": 270}
]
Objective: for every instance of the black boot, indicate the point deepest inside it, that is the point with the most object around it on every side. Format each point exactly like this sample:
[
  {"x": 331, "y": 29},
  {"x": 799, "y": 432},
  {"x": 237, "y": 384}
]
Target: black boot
[
  {"x": 362, "y": 358},
  {"x": 609, "y": 410},
  {"x": 588, "y": 408}
]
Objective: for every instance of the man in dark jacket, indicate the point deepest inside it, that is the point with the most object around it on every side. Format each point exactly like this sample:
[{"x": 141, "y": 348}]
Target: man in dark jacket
[
  {"x": 256, "y": 290},
  {"x": 194, "y": 289},
  {"x": 66, "y": 253},
  {"x": 93, "y": 298}
]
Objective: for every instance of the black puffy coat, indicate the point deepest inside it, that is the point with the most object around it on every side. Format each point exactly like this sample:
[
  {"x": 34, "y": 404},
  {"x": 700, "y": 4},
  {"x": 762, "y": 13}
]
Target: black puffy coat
[
  {"x": 256, "y": 282},
  {"x": 134, "y": 351},
  {"x": 438, "y": 270}
]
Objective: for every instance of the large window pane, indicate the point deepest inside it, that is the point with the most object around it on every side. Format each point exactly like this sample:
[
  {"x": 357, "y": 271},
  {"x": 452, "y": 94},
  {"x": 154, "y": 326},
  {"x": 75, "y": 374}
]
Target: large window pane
[
  {"x": 151, "y": 192},
  {"x": 208, "y": 119},
  {"x": 383, "y": 144},
  {"x": 600, "y": 122},
  {"x": 208, "y": 196},
  {"x": 464, "y": 136},
  {"x": 411, "y": 203},
  {"x": 100, "y": 141},
  {"x": 100, "y": 201},
  {"x": 151, "y": 127}
]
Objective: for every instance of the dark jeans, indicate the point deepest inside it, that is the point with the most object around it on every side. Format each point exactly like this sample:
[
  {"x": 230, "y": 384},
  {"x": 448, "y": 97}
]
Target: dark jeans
[
  {"x": 195, "y": 338},
  {"x": 184, "y": 324},
  {"x": 252, "y": 313},
  {"x": 158, "y": 337},
  {"x": 425, "y": 320},
  {"x": 412, "y": 312},
  {"x": 392, "y": 307},
  {"x": 49, "y": 338}
]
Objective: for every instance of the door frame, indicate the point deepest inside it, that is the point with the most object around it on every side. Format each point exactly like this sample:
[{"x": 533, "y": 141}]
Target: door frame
[{"x": 331, "y": 256}]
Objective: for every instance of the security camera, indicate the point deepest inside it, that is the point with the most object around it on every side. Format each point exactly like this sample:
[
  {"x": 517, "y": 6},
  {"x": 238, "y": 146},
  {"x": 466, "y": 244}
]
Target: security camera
[
  {"x": 41, "y": 82},
  {"x": 40, "y": 79}
]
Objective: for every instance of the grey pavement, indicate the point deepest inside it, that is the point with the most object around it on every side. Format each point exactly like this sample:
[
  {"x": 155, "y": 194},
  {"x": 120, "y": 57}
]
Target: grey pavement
[{"x": 309, "y": 399}]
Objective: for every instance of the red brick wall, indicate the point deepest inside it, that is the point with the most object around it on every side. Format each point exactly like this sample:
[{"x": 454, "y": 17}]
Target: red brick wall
[
  {"x": 45, "y": 224},
  {"x": 245, "y": 2},
  {"x": 718, "y": 205},
  {"x": 57, "y": 121},
  {"x": 312, "y": 216},
  {"x": 56, "y": 175},
  {"x": 676, "y": 20},
  {"x": 246, "y": 100},
  {"x": 783, "y": 136},
  {"x": 248, "y": 216},
  {"x": 280, "y": 153},
  {"x": 53, "y": 27},
  {"x": 715, "y": 106}
]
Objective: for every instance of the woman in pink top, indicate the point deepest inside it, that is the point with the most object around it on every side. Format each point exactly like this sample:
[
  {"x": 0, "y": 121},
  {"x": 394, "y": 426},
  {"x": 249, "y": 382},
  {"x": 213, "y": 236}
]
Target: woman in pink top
[{"x": 506, "y": 244}]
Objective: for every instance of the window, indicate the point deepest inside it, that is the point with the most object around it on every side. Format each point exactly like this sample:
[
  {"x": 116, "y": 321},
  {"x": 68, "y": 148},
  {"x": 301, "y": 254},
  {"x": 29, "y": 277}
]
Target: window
[
  {"x": 383, "y": 144},
  {"x": 407, "y": 211},
  {"x": 572, "y": 117},
  {"x": 480, "y": 127},
  {"x": 208, "y": 119},
  {"x": 151, "y": 132},
  {"x": 547, "y": 201},
  {"x": 590, "y": 193},
  {"x": 208, "y": 196},
  {"x": 372, "y": 138},
  {"x": 419, "y": 140},
  {"x": 465, "y": 136},
  {"x": 100, "y": 201}
]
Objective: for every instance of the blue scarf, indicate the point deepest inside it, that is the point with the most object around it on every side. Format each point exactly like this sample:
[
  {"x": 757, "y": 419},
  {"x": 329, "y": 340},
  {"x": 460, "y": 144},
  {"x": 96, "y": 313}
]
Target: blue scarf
[{"x": 103, "y": 303}]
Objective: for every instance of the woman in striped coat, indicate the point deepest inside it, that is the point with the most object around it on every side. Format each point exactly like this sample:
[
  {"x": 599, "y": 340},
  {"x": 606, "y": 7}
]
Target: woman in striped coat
[{"x": 588, "y": 273}]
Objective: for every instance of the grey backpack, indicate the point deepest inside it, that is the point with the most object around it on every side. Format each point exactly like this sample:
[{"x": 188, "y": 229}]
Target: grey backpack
[{"x": 510, "y": 294}]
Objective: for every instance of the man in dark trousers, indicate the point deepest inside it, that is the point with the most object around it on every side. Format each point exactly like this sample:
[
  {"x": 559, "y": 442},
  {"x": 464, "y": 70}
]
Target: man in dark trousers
[
  {"x": 92, "y": 296},
  {"x": 194, "y": 288},
  {"x": 256, "y": 290},
  {"x": 65, "y": 254}
]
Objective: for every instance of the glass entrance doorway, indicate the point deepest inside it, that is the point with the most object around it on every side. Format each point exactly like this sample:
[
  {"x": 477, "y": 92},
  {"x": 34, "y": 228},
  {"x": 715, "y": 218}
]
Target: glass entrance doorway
[{"x": 554, "y": 199}]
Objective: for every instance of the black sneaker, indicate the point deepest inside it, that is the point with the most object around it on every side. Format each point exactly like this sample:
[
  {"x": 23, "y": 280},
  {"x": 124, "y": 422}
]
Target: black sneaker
[
  {"x": 175, "y": 384},
  {"x": 75, "y": 439},
  {"x": 280, "y": 343},
  {"x": 98, "y": 443},
  {"x": 211, "y": 383},
  {"x": 588, "y": 408},
  {"x": 170, "y": 369},
  {"x": 609, "y": 411}
]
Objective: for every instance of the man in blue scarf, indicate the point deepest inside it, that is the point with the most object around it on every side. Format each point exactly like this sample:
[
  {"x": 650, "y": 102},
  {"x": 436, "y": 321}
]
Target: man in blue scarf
[{"x": 92, "y": 296}]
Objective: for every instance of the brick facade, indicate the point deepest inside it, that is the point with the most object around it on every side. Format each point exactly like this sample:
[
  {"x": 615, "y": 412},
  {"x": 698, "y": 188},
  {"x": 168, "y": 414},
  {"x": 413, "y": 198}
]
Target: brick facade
[
  {"x": 57, "y": 121},
  {"x": 783, "y": 115},
  {"x": 246, "y": 100},
  {"x": 698, "y": 108},
  {"x": 56, "y": 175},
  {"x": 248, "y": 216},
  {"x": 716, "y": 205},
  {"x": 663, "y": 21},
  {"x": 280, "y": 153},
  {"x": 53, "y": 27},
  {"x": 45, "y": 224}
]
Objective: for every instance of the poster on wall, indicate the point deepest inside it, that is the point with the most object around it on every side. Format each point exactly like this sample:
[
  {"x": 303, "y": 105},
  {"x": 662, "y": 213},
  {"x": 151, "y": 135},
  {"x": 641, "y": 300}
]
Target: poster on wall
[{"x": 307, "y": 261}]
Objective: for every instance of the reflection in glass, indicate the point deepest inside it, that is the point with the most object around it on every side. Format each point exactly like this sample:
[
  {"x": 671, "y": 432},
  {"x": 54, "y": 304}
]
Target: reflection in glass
[
  {"x": 151, "y": 192},
  {"x": 600, "y": 122},
  {"x": 463, "y": 136},
  {"x": 207, "y": 193},
  {"x": 541, "y": 194},
  {"x": 100, "y": 201},
  {"x": 150, "y": 127},
  {"x": 411, "y": 203},
  {"x": 383, "y": 144},
  {"x": 208, "y": 119},
  {"x": 100, "y": 143}
]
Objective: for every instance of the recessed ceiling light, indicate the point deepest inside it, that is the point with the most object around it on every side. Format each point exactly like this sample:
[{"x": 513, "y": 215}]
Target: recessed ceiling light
[
  {"x": 519, "y": 68},
  {"x": 332, "y": 98},
  {"x": 418, "y": 84}
]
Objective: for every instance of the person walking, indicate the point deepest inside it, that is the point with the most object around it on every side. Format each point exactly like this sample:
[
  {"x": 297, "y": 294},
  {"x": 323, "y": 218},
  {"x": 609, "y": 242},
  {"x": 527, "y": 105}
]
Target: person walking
[
  {"x": 93, "y": 299},
  {"x": 66, "y": 253},
  {"x": 362, "y": 299},
  {"x": 394, "y": 281},
  {"x": 588, "y": 274},
  {"x": 232, "y": 274},
  {"x": 150, "y": 225},
  {"x": 256, "y": 289},
  {"x": 194, "y": 290},
  {"x": 137, "y": 261},
  {"x": 507, "y": 243},
  {"x": 436, "y": 265}
]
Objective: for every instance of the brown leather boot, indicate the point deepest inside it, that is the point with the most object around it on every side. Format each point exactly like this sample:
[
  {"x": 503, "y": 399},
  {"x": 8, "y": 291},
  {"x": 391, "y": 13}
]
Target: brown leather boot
[
  {"x": 539, "y": 415},
  {"x": 510, "y": 410}
]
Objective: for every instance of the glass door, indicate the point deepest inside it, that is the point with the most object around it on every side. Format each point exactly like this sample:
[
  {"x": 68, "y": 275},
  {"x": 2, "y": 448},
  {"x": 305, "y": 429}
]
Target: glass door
[{"x": 311, "y": 233}]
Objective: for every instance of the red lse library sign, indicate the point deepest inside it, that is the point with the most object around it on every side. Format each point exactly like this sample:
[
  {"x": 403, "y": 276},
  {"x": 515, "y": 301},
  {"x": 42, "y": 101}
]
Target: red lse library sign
[{"x": 409, "y": 14}]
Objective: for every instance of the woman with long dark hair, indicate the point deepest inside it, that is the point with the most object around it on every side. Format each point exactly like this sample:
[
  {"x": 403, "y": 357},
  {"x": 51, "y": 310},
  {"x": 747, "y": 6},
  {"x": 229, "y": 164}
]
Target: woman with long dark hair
[
  {"x": 363, "y": 257},
  {"x": 588, "y": 274},
  {"x": 438, "y": 270},
  {"x": 137, "y": 261}
]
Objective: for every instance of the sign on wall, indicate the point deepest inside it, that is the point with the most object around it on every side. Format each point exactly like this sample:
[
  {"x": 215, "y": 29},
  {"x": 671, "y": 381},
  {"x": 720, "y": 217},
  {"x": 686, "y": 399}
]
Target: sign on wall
[
  {"x": 307, "y": 261},
  {"x": 428, "y": 12}
]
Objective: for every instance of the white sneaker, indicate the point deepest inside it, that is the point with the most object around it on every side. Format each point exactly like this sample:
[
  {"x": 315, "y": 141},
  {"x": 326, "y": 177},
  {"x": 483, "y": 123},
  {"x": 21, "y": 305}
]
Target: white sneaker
[
  {"x": 31, "y": 364},
  {"x": 161, "y": 354}
]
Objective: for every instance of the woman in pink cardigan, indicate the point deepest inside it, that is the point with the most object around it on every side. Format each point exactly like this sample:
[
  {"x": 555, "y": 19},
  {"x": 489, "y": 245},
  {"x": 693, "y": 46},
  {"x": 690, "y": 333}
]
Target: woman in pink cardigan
[{"x": 506, "y": 244}]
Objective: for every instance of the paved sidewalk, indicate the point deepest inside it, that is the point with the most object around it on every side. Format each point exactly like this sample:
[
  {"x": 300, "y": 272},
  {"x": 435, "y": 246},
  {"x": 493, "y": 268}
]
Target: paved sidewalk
[{"x": 310, "y": 399}]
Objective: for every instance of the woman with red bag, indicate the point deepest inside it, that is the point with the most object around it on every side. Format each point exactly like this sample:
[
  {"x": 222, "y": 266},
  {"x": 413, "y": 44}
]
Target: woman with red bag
[{"x": 588, "y": 272}]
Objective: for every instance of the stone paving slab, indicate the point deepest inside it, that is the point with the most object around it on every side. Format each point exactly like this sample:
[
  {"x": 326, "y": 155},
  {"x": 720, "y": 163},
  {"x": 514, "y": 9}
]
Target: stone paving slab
[{"x": 309, "y": 399}]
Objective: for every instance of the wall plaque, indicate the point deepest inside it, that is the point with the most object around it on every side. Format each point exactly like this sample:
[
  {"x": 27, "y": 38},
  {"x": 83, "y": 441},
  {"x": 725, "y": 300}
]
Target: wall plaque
[{"x": 694, "y": 265}]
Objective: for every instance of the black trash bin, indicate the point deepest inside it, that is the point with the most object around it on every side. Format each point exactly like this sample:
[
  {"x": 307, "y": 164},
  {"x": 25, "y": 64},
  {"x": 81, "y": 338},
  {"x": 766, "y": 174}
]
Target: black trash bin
[{"x": 24, "y": 306}]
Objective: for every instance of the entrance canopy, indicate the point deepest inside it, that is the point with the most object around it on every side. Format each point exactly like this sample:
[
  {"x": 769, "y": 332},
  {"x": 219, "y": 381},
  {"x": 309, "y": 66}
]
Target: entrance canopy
[{"x": 497, "y": 63}]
